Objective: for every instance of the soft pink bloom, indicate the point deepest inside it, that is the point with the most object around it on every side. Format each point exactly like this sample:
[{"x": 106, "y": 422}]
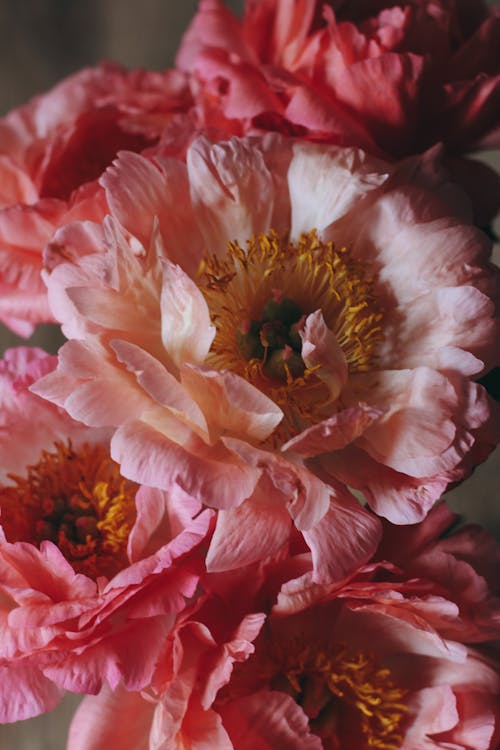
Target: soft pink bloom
[
  {"x": 93, "y": 568},
  {"x": 52, "y": 151},
  {"x": 188, "y": 349},
  {"x": 391, "y": 77},
  {"x": 399, "y": 656}
]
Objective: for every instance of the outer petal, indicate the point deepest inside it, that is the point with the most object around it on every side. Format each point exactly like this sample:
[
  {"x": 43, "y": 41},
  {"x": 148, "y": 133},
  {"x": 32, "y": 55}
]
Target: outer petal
[
  {"x": 325, "y": 183},
  {"x": 232, "y": 192},
  {"x": 267, "y": 721},
  {"x": 111, "y": 719},
  {"x": 345, "y": 538},
  {"x": 25, "y": 692}
]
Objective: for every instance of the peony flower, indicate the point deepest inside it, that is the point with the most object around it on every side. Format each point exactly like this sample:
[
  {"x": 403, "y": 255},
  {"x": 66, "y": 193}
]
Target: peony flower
[
  {"x": 93, "y": 568},
  {"x": 397, "y": 657},
  {"x": 393, "y": 78},
  {"x": 52, "y": 151},
  {"x": 271, "y": 325}
]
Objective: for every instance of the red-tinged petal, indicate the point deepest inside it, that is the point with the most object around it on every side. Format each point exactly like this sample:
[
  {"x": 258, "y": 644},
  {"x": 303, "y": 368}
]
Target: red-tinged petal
[
  {"x": 16, "y": 185},
  {"x": 335, "y": 433},
  {"x": 213, "y": 26},
  {"x": 25, "y": 692},
  {"x": 267, "y": 721},
  {"x": 384, "y": 91},
  {"x": 345, "y": 538},
  {"x": 116, "y": 718},
  {"x": 230, "y": 404}
]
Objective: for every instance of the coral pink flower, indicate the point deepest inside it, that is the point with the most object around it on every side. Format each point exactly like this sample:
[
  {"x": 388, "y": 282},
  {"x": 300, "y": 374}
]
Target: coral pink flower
[
  {"x": 51, "y": 152},
  {"x": 270, "y": 319},
  {"x": 391, "y": 77},
  {"x": 397, "y": 657},
  {"x": 93, "y": 568}
]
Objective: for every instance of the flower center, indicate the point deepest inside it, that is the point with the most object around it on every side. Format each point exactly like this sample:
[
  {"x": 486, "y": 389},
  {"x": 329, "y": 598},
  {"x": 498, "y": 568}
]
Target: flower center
[
  {"x": 350, "y": 700},
  {"x": 259, "y": 299},
  {"x": 345, "y": 693},
  {"x": 77, "y": 500}
]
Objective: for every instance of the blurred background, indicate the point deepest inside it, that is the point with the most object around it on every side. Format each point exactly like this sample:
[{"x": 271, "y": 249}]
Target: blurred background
[{"x": 41, "y": 42}]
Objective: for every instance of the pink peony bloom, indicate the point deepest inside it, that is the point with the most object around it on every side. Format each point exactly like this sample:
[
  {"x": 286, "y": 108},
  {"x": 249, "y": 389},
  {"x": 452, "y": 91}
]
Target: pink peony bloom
[
  {"x": 52, "y": 150},
  {"x": 272, "y": 324},
  {"x": 391, "y": 77},
  {"x": 93, "y": 568},
  {"x": 400, "y": 656}
]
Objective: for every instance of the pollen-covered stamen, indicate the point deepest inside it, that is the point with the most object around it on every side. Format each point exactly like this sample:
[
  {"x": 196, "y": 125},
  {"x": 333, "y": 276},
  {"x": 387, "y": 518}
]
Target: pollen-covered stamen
[
  {"x": 79, "y": 501},
  {"x": 259, "y": 299},
  {"x": 345, "y": 693}
]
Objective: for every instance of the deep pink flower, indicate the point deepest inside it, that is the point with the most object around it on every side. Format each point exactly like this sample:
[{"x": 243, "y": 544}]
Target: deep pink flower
[
  {"x": 271, "y": 318},
  {"x": 398, "y": 657},
  {"x": 52, "y": 151},
  {"x": 93, "y": 568},
  {"x": 391, "y": 77}
]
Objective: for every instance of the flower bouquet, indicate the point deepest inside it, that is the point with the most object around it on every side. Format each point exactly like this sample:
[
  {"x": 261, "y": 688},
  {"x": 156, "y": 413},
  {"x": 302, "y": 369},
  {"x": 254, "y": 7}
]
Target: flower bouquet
[{"x": 221, "y": 501}]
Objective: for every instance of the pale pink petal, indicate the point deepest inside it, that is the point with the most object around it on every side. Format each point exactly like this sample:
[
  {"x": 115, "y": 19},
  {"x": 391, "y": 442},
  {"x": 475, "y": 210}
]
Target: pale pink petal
[
  {"x": 267, "y": 527},
  {"x": 163, "y": 388},
  {"x": 186, "y": 330},
  {"x": 111, "y": 719},
  {"x": 139, "y": 191},
  {"x": 335, "y": 433},
  {"x": 325, "y": 184},
  {"x": 346, "y": 537},
  {"x": 232, "y": 192},
  {"x": 213, "y": 475},
  {"x": 230, "y": 404},
  {"x": 321, "y": 349}
]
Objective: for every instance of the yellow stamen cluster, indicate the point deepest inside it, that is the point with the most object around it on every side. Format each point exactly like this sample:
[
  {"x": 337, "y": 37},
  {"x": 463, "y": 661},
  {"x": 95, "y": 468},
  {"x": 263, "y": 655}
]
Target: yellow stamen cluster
[
  {"x": 355, "y": 679},
  {"x": 312, "y": 275},
  {"x": 79, "y": 501}
]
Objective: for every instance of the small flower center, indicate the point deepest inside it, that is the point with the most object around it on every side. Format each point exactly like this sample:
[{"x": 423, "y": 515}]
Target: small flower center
[
  {"x": 79, "y": 501},
  {"x": 259, "y": 299}
]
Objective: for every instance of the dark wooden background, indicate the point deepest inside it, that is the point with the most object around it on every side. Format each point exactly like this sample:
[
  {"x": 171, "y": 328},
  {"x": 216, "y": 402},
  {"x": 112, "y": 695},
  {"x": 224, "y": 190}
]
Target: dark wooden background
[{"x": 40, "y": 42}]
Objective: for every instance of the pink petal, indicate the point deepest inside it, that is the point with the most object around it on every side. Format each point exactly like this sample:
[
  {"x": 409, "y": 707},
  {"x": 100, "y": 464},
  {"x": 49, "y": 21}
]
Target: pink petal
[
  {"x": 232, "y": 192},
  {"x": 343, "y": 540},
  {"x": 253, "y": 531},
  {"x": 267, "y": 721},
  {"x": 230, "y": 404},
  {"x": 25, "y": 692},
  {"x": 116, "y": 718},
  {"x": 325, "y": 183},
  {"x": 321, "y": 349},
  {"x": 210, "y": 474},
  {"x": 186, "y": 329},
  {"x": 334, "y": 433}
]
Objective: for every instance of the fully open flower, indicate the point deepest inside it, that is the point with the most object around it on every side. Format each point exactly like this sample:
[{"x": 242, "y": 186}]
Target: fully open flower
[
  {"x": 398, "y": 657},
  {"x": 53, "y": 149},
  {"x": 93, "y": 568},
  {"x": 254, "y": 335},
  {"x": 391, "y": 77}
]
